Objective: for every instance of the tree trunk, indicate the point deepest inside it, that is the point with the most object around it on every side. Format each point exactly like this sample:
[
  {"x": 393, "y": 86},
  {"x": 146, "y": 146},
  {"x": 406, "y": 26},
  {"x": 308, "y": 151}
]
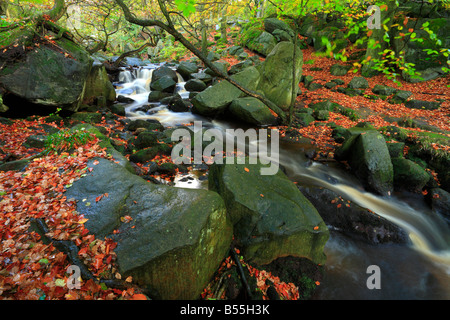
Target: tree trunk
[
  {"x": 58, "y": 10},
  {"x": 294, "y": 82},
  {"x": 223, "y": 24}
]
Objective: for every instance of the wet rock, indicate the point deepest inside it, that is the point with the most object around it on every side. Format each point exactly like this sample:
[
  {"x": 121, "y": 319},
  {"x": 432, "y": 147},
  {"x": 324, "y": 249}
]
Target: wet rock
[
  {"x": 409, "y": 175},
  {"x": 271, "y": 217},
  {"x": 215, "y": 99},
  {"x": 349, "y": 218},
  {"x": 185, "y": 69},
  {"x": 175, "y": 238},
  {"x": 252, "y": 110},
  {"x": 195, "y": 85},
  {"x": 276, "y": 74},
  {"x": 368, "y": 156},
  {"x": 163, "y": 84}
]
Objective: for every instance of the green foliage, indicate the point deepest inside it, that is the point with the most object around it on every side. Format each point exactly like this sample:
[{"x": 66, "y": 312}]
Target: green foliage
[
  {"x": 65, "y": 140},
  {"x": 187, "y": 7}
]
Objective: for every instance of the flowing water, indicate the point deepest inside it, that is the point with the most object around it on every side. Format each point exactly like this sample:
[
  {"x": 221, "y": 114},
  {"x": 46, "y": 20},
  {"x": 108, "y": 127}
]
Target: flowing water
[{"x": 420, "y": 270}]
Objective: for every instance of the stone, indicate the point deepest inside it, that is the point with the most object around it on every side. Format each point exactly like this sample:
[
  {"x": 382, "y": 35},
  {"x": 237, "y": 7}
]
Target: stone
[
  {"x": 408, "y": 175},
  {"x": 45, "y": 77},
  {"x": 195, "y": 85},
  {"x": 252, "y": 110},
  {"x": 185, "y": 69},
  {"x": 368, "y": 157},
  {"x": 305, "y": 119},
  {"x": 263, "y": 44},
  {"x": 271, "y": 218},
  {"x": 221, "y": 65},
  {"x": 146, "y": 124},
  {"x": 163, "y": 84},
  {"x": 276, "y": 74},
  {"x": 215, "y": 99},
  {"x": 353, "y": 219},
  {"x": 88, "y": 117},
  {"x": 35, "y": 141},
  {"x": 339, "y": 70},
  {"x": 175, "y": 239},
  {"x": 99, "y": 85},
  {"x": 273, "y": 24},
  {"x": 383, "y": 90},
  {"x": 164, "y": 71},
  {"x": 358, "y": 83},
  {"x": 420, "y": 104}
]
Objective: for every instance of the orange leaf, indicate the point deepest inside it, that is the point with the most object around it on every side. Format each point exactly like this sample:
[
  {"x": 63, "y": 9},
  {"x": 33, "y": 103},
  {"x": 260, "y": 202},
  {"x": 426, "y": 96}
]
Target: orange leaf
[
  {"x": 138, "y": 296},
  {"x": 246, "y": 169},
  {"x": 316, "y": 228}
]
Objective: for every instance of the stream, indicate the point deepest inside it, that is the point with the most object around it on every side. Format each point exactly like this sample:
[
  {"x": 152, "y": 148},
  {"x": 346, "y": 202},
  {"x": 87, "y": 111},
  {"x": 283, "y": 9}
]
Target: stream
[{"x": 420, "y": 270}]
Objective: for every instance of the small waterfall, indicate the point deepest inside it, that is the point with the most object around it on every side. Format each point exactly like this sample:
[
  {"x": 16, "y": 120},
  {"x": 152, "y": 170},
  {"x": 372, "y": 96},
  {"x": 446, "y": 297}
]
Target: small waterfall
[{"x": 125, "y": 76}]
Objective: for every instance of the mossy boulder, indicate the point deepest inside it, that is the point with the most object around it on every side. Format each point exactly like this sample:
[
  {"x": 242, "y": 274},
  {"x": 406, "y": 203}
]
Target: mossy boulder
[
  {"x": 185, "y": 69},
  {"x": 358, "y": 83},
  {"x": 339, "y": 69},
  {"x": 45, "y": 76},
  {"x": 271, "y": 217},
  {"x": 176, "y": 238},
  {"x": 276, "y": 74},
  {"x": 252, "y": 110},
  {"x": 368, "y": 156},
  {"x": 408, "y": 175},
  {"x": 350, "y": 218},
  {"x": 88, "y": 117},
  {"x": 215, "y": 99},
  {"x": 273, "y": 24},
  {"x": 98, "y": 85}
]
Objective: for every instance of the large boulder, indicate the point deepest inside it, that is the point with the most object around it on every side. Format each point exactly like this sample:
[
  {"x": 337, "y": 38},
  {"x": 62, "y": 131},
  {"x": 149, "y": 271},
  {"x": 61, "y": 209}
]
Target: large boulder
[
  {"x": 276, "y": 74},
  {"x": 173, "y": 240},
  {"x": 273, "y": 24},
  {"x": 368, "y": 157},
  {"x": 253, "y": 111},
  {"x": 409, "y": 175},
  {"x": 98, "y": 85},
  {"x": 215, "y": 99},
  {"x": 51, "y": 75},
  {"x": 271, "y": 217},
  {"x": 186, "y": 68},
  {"x": 263, "y": 44},
  {"x": 350, "y": 218}
]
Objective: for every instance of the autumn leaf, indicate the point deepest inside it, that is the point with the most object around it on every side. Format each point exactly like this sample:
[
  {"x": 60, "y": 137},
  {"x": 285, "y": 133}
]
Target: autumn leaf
[{"x": 138, "y": 296}]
